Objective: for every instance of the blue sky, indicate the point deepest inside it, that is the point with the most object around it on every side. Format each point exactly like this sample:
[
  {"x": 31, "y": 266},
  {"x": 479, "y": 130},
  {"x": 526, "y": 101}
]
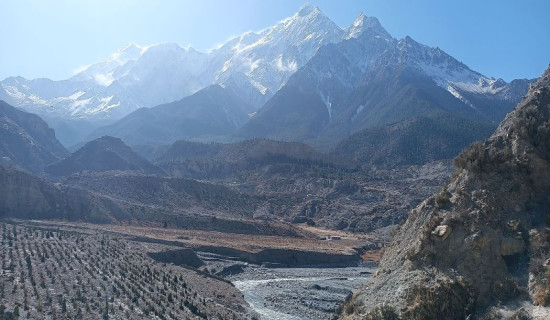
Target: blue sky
[{"x": 506, "y": 39}]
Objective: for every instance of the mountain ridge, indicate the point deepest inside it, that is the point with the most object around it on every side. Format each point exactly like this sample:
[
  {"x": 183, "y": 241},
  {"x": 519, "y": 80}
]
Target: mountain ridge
[
  {"x": 408, "y": 143},
  {"x": 254, "y": 65},
  {"x": 359, "y": 83}
]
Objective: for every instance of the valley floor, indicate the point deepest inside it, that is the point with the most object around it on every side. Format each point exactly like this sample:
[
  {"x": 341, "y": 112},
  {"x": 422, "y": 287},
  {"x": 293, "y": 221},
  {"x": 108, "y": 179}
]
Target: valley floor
[
  {"x": 313, "y": 239},
  {"x": 54, "y": 269}
]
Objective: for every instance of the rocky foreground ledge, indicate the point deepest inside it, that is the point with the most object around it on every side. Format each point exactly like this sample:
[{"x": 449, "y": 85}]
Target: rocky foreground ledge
[{"x": 481, "y": 247}]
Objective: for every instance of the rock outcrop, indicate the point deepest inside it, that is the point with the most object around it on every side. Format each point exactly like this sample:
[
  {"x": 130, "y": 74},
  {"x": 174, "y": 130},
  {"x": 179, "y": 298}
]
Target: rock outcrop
[{"x": 480, "y": 248}]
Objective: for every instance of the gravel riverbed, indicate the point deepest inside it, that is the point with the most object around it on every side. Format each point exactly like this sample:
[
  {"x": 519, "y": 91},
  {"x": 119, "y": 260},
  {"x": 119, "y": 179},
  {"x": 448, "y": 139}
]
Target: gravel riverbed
[{"x": 298, "y": 293}]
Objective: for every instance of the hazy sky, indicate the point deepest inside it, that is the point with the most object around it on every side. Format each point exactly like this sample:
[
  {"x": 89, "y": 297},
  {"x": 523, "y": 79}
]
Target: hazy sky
[{"x": 504, "y": 38}]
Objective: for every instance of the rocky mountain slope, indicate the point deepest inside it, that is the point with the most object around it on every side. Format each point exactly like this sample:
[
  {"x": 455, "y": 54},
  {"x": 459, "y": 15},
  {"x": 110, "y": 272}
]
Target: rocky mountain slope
[
  {"x": 26, "y": 141},
  {"x": 211, "y": 112},
  {"x": 168, "y": 194},
  {"x": 103, "y": 154},
  {"x": 480, "y": 247},
  {"x": 180, "y": 203},
  {"x": 122, "y": 197}
]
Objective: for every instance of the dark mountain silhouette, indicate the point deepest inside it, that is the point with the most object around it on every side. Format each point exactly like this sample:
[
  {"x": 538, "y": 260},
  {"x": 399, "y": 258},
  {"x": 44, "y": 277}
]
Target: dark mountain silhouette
[
  {"x": 103, "y": 154},
  {"x": 198, "y": 160},
  {"x": 211, "y": 112},
  {"x": 26, "y": 141}
]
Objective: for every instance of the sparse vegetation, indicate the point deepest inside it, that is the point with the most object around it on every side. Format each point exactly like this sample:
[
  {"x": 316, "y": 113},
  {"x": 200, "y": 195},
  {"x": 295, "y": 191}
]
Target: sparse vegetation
[
  {"x": 382, "y": 312},
  {"x": 472, "y": 158},
  {"x": 448, "y": 299},
  {"x": 443, "y": 198}
]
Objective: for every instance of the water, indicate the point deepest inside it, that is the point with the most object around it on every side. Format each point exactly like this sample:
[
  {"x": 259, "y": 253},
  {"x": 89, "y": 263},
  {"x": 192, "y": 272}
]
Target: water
[{"x": 298, "y": 293}]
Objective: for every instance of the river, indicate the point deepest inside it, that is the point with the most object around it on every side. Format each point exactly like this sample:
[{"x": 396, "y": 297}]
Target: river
[{"x": 298, "y": 293}]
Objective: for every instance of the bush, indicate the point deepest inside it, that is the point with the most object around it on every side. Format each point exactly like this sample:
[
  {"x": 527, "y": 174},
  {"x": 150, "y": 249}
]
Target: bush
[
  {"x": 472, "y": 158},
  {"x": 443, "y": 198},
  {"x": 382, "y": 312},
  {"x": 448, "y": 299}
]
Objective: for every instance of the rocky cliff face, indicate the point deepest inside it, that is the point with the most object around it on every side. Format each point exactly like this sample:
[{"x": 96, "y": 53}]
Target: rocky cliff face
[{"x": 480, "y": 247}]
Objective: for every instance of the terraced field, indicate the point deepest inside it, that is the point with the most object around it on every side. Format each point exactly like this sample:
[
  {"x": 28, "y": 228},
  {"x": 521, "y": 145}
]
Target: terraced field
[{"x": 55, "y": 274}]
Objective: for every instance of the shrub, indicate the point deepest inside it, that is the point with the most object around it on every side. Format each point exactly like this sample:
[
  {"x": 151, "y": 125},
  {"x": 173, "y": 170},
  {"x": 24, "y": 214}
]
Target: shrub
[
  {"x": 448, "y": 299},
  {"x": 382, "y": 312},
  {"x": 472, "y": 158},
  {"x": 443, "y": 198}
]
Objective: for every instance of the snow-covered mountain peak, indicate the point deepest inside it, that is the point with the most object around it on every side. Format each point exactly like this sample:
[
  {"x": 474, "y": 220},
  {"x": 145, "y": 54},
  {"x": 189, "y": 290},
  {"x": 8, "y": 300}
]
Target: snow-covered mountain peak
[
  {"x": 102, "y": 72},
  {"x": 307, "y": 9},
  {"x": 356, "y": 27},
  {"x": 131, "y": 51},
  {"x": 446, "y": 71},
  {"x": 358, "y": 22},
  {"x": 363, "y": 23},
  {"x": 164, "y": 48},
  {"x": 122, "y": 56},
  {"x": 308, "y": 17},
  {"x": 308, "y": 24},
  {"x": 260, "y": 63}
]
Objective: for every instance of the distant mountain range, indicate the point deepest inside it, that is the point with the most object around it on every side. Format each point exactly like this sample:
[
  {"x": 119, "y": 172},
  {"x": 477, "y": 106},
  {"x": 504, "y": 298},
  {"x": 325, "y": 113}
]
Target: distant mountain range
[
  {"x": 254, "y": 66},
  {"x": 304, "y": 79}
]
